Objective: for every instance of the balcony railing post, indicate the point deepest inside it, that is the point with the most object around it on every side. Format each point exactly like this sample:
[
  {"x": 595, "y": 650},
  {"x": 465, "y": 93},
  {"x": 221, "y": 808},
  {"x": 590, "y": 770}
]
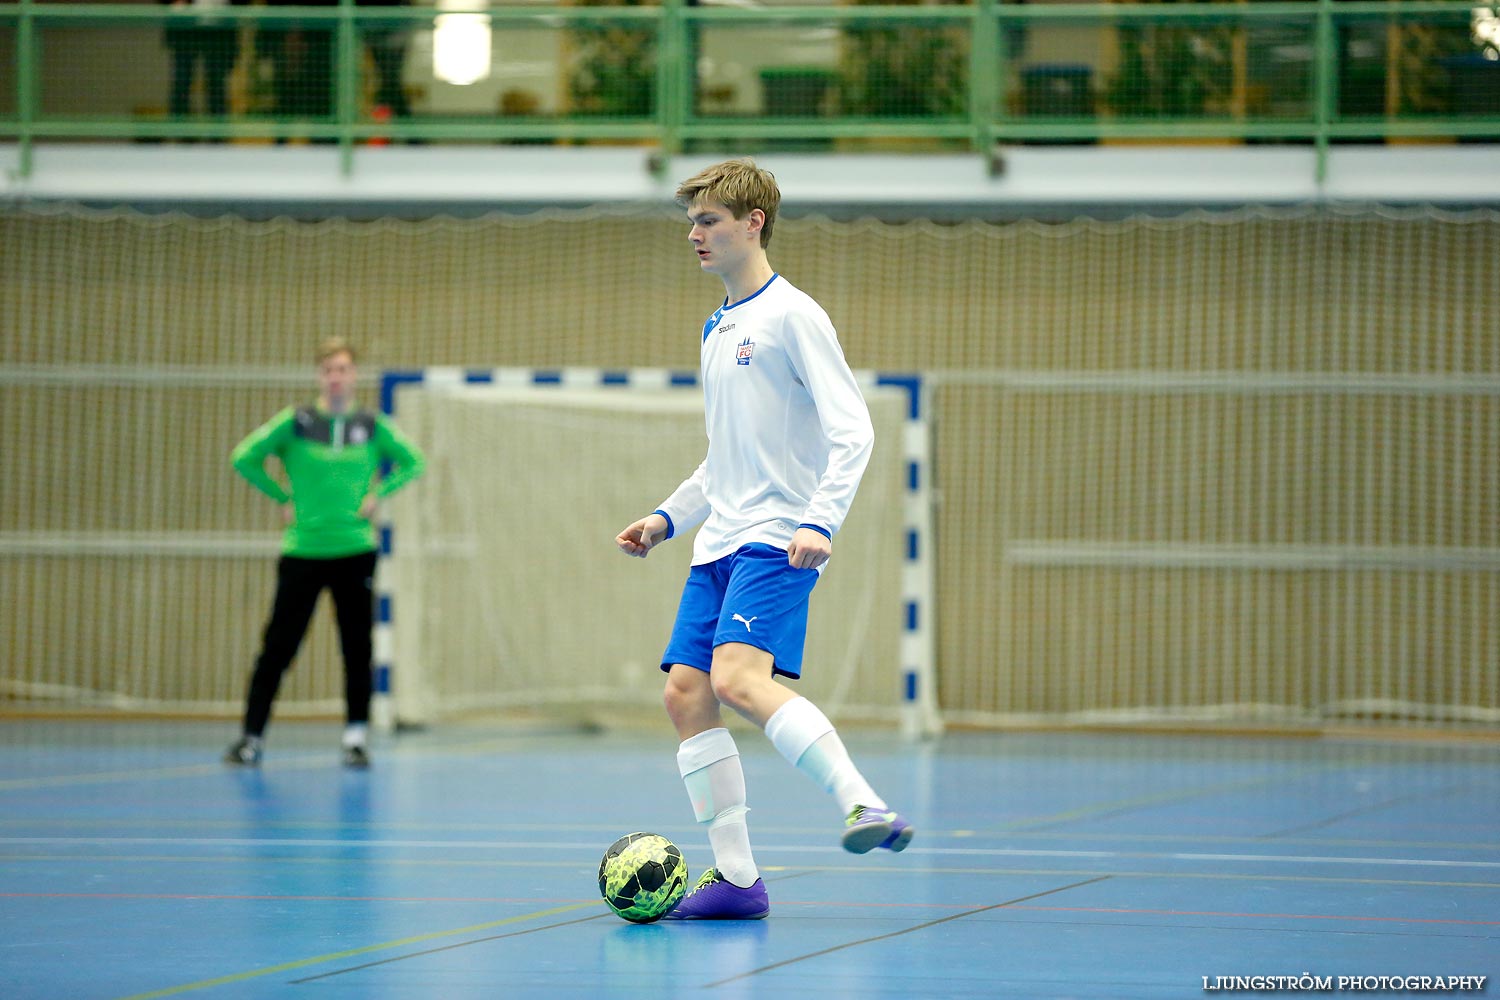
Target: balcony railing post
[
  {"x": 675, "y": 80},
  {"x": 26, "y": 88},
  {"x": 346, "y": 85},
  {"x": 1324, "y": 95},
  {"x": 986, "y": 72}
]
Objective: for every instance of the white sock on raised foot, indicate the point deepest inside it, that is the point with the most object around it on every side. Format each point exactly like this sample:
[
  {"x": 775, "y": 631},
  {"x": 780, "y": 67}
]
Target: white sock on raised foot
[{"x": 803, "y": 735}]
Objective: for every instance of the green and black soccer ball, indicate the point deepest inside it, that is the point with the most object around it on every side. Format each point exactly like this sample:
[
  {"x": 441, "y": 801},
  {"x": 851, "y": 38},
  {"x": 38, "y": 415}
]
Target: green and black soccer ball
[{"x": 642, "y": 876}]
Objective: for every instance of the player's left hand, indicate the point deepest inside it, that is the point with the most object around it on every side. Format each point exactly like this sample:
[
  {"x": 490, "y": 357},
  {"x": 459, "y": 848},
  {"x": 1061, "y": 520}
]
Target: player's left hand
[
  {"x": 367, "y": 508},
  {"x": 809, "y": 549}
]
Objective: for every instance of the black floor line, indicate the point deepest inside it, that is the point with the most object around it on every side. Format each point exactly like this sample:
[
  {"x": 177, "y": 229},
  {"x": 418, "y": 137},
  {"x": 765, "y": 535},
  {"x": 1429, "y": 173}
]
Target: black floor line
[{"x": 906, "y": 930}]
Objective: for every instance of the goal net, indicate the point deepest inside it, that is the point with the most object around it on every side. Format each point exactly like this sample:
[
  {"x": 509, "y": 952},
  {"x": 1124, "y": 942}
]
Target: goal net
[{"x": 506, "y": 589}]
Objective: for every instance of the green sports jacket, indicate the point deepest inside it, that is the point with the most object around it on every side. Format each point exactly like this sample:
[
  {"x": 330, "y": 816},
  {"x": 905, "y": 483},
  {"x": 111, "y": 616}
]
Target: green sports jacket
[{"x": 331, "y": 462}]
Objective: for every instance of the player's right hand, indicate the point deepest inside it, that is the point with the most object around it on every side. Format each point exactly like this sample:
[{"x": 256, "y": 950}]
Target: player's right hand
[{"x": 642, "y": 536}]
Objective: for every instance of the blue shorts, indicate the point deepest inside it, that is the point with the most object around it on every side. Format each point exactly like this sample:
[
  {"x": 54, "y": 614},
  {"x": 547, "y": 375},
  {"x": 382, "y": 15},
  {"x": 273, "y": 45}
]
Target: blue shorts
[{"x": 753, "y": 596}]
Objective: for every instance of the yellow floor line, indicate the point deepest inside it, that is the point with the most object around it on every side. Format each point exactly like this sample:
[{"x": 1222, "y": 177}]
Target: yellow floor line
[{"x": 240, "y": 977}]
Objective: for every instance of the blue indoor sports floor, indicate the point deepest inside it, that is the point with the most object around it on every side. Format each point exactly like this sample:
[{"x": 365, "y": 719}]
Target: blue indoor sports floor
[{"x": 463, "y": 865}]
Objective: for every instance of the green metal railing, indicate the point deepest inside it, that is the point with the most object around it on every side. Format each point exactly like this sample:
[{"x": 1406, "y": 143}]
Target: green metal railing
[{"x": 953, "y": 76}]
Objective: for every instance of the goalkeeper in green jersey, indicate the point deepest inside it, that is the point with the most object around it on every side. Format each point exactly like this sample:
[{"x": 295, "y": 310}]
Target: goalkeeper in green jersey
[{"x": 331, "y": 453}]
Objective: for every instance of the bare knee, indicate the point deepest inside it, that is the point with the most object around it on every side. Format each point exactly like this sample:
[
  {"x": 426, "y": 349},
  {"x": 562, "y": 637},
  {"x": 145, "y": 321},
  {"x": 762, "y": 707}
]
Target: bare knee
[
  {"x": 740, "y": 677},
  {"x": 677, "y": 697},
  {"x": 690, "y": 702},
  {"x": 732, "y": 691}
]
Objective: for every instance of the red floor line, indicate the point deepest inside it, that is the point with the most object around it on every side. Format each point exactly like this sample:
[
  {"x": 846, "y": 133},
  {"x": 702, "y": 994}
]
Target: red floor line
[
  {"x": 290, "y": 899},
  {"x": 862, "y": 905},
  {"x": 1271, "y": 916}
]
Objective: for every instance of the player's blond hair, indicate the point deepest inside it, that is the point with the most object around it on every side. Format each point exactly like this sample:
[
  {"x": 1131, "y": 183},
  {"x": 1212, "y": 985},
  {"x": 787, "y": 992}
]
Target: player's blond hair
[
  {"x": 738, "y": 185},
  {"x": 334, "y": 345}
]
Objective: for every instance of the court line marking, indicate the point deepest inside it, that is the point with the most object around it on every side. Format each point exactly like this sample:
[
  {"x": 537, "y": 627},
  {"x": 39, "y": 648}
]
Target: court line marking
[
  {"x": 284, "y": 898},
  {"x": 1116, "y": 807},
  {"x": 446, "y": 947},
  {"x": 295, "y": 761},
  {"x": 982, "y": 852},
  {"x": 927, "y": 833},
  {"x": 890, "y": 870},
  {"x": 240, "y": 977},
  {"x": 1375, "y": 807},
  {"x": 907, "y": 930},
  {"x": 850, "y": 904},
  {"x": 300, "y": 763},
  {"x": 831, "y": 869},
  {"x": 1392, "y": 936},
  {"x": 1259, "y": 916},
  {"x": 494, "y": 937}
]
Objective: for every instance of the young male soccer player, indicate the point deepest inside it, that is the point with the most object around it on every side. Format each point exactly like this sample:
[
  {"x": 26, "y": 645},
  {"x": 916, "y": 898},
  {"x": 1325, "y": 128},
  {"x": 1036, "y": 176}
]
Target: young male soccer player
[
  {"x": 789, "y": 436},
  {"x": 331, "y": 453}
]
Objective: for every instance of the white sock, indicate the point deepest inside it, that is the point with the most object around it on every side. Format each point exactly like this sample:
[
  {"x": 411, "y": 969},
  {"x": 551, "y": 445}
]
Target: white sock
[
  {"x": 355, "y": 735},
  {"x": 710, "y": 768},
  {"x": 729, "y": 836},
  {"x": 803, "y": 735}
]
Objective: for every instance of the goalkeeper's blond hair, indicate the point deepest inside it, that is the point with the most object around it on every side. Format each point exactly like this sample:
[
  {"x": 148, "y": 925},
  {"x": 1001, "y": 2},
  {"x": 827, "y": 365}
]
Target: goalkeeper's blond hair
[{"x": 334, "y": 345}]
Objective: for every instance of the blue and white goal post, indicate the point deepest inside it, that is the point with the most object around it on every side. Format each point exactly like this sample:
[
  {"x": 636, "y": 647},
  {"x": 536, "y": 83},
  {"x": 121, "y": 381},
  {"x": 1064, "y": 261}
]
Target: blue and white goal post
[{"x": 909, "y": 688}]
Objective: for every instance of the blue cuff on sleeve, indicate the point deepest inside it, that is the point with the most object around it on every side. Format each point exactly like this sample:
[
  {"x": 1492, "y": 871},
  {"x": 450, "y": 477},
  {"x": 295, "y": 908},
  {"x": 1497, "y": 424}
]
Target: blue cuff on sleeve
[
  {"x": 671, "y": 528},
  {"x": 819, "y": 529}
]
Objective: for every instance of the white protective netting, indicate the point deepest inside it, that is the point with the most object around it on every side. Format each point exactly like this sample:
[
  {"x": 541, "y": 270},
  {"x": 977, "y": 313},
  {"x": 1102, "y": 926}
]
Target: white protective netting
[
  {"x": 1224, "y": 466},
  {"x": 1209, "y": 548},
  {"x": 136, "y": 568},
  {"x": 508, "y": 590}
]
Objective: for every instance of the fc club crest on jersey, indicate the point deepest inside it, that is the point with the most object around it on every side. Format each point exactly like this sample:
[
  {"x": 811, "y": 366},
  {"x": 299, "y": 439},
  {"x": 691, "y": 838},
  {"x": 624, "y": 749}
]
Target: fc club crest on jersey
[{"x": 742, "y": 355}]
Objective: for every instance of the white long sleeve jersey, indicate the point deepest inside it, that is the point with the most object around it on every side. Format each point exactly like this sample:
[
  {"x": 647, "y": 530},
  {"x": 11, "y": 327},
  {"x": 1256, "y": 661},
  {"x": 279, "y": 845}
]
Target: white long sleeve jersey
[{"x": 789, "y": 434}]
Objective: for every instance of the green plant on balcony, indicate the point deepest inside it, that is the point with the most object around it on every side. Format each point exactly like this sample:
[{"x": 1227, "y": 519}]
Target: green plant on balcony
[
  {"x": 902, "y": 70},
  {"x": 1172, "y": 72},
  {"x": 1427, "y": 57},
  {"x": 613, "y": 67}
]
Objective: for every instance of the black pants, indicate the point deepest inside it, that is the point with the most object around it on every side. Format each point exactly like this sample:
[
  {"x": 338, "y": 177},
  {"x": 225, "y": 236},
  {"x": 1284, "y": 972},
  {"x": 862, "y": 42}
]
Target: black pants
[
  {"x": 299, "y": 582},
  {"x": 389, "y": 57},
  {"x": 214, "y": 50},
  {"x": 304, "y": 81}
]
